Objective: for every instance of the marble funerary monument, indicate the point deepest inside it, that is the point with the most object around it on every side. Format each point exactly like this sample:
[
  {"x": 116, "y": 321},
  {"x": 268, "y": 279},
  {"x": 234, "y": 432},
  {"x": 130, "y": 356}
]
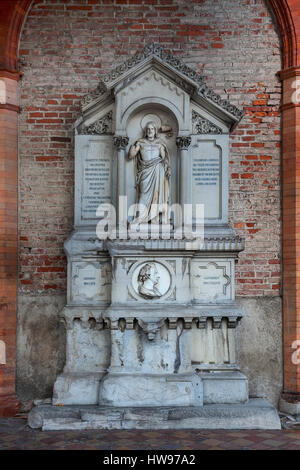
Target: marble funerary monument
[{"x": 151, "y": 321}]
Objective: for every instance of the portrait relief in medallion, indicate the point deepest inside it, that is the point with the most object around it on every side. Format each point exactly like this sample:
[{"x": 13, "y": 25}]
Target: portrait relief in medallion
[
  {"x": 148, "y": 280},
  {"x": 152, "y": 175}
]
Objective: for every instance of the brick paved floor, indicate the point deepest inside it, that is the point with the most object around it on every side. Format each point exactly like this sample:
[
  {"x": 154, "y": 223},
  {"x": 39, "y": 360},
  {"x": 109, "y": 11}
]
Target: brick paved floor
[{"x": 15, "y": 434}]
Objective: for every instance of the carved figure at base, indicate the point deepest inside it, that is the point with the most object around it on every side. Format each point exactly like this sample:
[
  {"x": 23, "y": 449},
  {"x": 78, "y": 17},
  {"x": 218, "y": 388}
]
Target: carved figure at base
[
  {"x": 148, "y": 279},
  {"x": 152, "y": 175}
]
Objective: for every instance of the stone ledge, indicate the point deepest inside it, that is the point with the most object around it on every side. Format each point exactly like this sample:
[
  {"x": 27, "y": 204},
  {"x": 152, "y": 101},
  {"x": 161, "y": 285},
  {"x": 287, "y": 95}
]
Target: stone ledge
[
  {"x": 289, "y": 408},
  {"x": 255, "y": 414}
]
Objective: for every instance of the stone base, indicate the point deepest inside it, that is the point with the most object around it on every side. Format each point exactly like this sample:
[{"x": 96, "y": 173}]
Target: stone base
[
  {"x": 224, "y": 387},
  {"x": 150, "y": 390},
  {"x": 289, "y": 408},
  {"x": 79, "y": 389},
  {"x": 255, "y": 414}
]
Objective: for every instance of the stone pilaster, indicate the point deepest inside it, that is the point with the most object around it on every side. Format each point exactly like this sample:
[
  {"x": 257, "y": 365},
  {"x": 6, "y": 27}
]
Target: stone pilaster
[{"x": 183, "y": 144}]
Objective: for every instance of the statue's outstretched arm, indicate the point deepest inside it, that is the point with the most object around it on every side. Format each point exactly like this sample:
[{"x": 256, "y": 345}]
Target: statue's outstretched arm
[{"x": 134, "y": 149}]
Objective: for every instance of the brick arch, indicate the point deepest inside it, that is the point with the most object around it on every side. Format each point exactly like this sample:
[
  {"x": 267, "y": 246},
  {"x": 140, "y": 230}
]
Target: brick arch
[
  {"x": 12, "y": 17},
  {"x": 284, "y": 12}
]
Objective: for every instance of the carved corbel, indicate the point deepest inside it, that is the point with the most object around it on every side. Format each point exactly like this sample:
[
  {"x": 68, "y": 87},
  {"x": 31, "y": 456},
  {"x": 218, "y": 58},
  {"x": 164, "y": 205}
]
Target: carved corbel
[
  {"x": 122, "y": 324},
  {"x": 99, "y": 324},
  {"x": 151, "y": 327},
  {"x": 232, "y": 321},
  {"x": 217, "y": 322},
  {"x": 67, "y": 322},
  {"x": 188, "y": 321},
  {"x": 129, "y": 323},
  {"x": 114, "y": 324},
  {"x": 85, "y": 324},
  {"x": 172, "y": 323},
  {"x": 201, "y": 323}
]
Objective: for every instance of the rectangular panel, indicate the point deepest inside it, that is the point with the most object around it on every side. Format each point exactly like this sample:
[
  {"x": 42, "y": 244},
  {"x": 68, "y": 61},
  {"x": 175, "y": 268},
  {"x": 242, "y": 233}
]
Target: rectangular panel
[
  {"x": 212, "y": 280},
  {"x": 206, "y": 182},
  {"x": 93, "y": 183},
  {"x": 210, "y": 176},
  {"x": 90, "y": 282}
]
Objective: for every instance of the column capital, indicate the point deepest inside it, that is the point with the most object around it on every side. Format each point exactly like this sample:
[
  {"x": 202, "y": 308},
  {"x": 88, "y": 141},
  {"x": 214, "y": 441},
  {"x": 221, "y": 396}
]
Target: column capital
[
  {"x": 183, "y": 142},
  {"x": 120, "y": 141}
]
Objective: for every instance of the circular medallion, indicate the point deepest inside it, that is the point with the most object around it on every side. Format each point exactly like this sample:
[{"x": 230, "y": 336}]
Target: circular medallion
[{"x": 151, "y": 280}]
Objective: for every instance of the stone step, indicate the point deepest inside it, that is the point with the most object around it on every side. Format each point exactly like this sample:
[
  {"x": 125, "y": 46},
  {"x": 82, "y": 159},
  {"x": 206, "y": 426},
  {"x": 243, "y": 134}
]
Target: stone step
[{"x": 257, "y": 413}]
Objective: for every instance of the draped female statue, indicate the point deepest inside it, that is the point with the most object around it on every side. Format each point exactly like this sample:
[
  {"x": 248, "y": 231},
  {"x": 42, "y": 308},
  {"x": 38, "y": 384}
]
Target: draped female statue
[{"x": 152, "y": 175}]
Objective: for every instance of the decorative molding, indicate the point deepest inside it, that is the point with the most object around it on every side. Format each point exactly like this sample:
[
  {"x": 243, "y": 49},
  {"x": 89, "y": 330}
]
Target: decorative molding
[
  {"x": 285, "y": 13},
  {"x": 183, "y": 142},
  {"x": 232, "y": 321},
  {"x": 291, "y": 72},
  {"x": 12, "y": 74},
  {"x": 156, "y": 50},
  {"x": 120, "y": 142},
  {"x": 225, "y": 104},
  {"x": 10, "y": 107},
  {"x": 87, "y": 99},
  {"x": 203, "y": 126},
  {"x": 151, "y": 326},
  {"x": 158, "y": 78},
  {"x": 102, "y": 126}
]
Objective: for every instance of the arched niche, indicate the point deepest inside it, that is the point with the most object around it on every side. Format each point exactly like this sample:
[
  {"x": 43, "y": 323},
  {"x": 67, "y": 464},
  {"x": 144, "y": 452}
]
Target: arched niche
[
  {"x": 168, "y": 128},
  {"x": 153, "y": 82}
]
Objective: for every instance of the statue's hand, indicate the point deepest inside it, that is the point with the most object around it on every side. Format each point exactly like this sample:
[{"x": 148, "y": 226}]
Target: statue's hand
[
  {"x": 134, "y": 149},
  {"x": 168, "y": 171}
]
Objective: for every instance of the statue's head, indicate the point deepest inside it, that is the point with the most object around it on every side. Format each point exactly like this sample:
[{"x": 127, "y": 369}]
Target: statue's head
[
  {"x": 150, "y": 130},
  {"x": 148, "y": 271}
]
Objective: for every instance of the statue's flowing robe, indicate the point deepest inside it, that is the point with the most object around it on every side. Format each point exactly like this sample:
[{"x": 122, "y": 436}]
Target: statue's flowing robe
[{"x": 152, "y": 183}]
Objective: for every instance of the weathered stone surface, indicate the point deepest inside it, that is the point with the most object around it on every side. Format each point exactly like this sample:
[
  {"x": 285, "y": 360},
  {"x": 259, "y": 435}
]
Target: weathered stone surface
[
  {"x": 150, "y": 390},
  {"x": 224, "y": 387},
  {"x": 290, "y": 408},
  {"x": 256, "y": 414},
  {"x": 80, "y": 389},
  {"x": 40, "y": 345},
  {"x": 259, "y": 346}
]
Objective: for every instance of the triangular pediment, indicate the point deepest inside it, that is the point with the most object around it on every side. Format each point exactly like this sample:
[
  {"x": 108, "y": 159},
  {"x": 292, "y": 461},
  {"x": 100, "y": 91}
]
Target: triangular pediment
[{"x": 154, "y": 57}]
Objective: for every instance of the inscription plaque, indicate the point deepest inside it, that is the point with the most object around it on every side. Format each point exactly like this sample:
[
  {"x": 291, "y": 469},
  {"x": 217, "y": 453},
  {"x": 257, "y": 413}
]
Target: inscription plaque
[
  {"x": 95, "y": 178},
  {"x": 207, "y": 177}
]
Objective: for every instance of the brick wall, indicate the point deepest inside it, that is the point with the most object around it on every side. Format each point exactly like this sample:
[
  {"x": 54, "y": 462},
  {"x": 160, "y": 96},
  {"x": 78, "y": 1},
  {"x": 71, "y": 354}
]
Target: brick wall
[{"x": 64, "y": 48}]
